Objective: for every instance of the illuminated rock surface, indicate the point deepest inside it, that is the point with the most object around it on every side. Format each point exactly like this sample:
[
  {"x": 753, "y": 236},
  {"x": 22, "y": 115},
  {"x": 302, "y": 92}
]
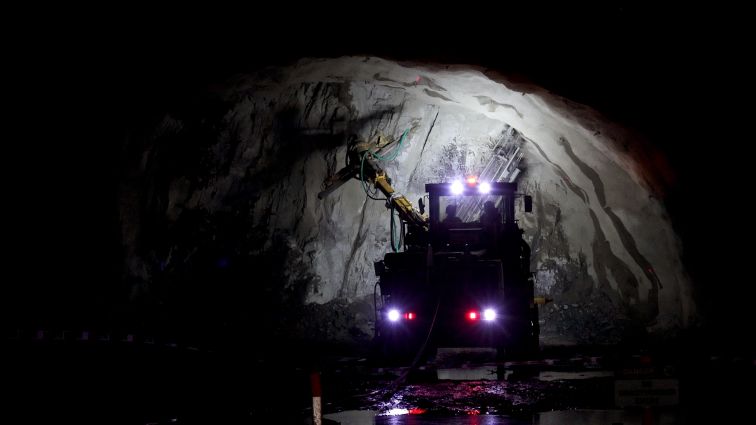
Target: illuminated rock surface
[{"x": 220, "y": 204}]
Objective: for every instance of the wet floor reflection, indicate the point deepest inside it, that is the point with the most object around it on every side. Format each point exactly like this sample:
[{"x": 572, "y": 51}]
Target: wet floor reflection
[
  {"x": 454, "y": 420},
  {"x": 576, "y": 417}
]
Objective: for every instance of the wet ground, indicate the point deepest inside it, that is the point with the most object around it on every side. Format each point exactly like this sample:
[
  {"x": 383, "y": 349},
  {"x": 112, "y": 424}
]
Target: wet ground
[
  {"x": 523, "y": 393},
  {"x": 598, "y": 417},
  {"x": 141, "y": 381},
  {"x": 569, "y": 385}
]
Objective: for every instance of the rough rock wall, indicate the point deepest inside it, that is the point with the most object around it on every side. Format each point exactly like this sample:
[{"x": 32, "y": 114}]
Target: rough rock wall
[{"x": 220, "y": 209}]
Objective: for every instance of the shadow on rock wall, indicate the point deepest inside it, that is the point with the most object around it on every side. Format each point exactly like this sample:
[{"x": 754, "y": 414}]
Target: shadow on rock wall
[{"x": 206, "y": 259}]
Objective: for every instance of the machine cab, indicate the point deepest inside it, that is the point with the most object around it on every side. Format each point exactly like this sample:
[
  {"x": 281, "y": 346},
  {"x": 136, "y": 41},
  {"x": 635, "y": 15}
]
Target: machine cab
[{"x": 469, "y": 215}]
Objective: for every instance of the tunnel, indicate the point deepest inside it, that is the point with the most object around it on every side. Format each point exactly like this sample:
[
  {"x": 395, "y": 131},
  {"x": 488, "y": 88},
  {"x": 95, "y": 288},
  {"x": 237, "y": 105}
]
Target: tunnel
[{"x": 173, "y": 249}]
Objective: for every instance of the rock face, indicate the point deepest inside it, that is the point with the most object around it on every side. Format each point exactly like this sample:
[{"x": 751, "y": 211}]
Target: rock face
[{"x": 220, "y": 212}]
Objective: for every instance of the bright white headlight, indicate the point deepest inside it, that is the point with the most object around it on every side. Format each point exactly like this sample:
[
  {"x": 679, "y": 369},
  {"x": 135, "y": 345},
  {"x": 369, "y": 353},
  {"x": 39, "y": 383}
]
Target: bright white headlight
[
  {"x": 489, "y": 314},
  {"x": 484, "y": 187},
  {"x": 457, "y": 188},
  {"x": 393, "y": 315}
]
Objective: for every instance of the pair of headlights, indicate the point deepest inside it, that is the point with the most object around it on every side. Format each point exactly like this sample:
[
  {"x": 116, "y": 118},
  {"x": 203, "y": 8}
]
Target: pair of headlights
[
  {"x": 457, "y": 187},
  {"x": 488, "y": 314}
]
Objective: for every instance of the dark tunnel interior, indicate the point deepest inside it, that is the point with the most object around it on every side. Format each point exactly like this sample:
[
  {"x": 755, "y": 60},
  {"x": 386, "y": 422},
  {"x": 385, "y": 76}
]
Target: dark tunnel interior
[{"x": 665, "y": 75}]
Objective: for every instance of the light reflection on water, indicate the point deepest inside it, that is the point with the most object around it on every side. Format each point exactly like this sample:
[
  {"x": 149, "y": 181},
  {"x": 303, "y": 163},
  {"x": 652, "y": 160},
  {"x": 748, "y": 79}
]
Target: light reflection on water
[{"x": 453, "y": 420}]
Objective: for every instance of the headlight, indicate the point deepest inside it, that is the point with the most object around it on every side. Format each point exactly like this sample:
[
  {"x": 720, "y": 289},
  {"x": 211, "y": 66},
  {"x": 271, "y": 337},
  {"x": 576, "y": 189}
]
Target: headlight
[
  {"x": 393, "y": 315},
  {"x": 489, "y": 314},
  {"x": 457, "y": 188}
]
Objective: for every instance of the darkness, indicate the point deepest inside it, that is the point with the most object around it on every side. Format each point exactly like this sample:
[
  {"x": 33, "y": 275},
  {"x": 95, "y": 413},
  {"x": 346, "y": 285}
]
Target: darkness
[
  {"x": 78, "y": 90},
  {"x": 670, "y": 75},
  {"x": 673, "y": 76}
]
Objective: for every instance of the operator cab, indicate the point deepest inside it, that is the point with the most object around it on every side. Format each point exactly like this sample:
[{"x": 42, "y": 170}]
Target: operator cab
[{"x": 469, "y": 216}]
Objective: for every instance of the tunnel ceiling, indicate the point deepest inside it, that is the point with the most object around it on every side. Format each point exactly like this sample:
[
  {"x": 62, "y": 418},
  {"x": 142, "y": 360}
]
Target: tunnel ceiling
[{"x": 219, "y": 201}]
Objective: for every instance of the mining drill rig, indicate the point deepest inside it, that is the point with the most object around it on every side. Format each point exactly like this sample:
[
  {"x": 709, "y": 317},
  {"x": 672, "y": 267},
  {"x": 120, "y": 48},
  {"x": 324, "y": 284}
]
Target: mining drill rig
[{"x": 448, "y": 283}]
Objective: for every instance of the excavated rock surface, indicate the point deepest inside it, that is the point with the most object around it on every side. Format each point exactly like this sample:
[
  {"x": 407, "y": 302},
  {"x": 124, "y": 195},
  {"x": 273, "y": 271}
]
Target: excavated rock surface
[{"x": 219, "y": 206}]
